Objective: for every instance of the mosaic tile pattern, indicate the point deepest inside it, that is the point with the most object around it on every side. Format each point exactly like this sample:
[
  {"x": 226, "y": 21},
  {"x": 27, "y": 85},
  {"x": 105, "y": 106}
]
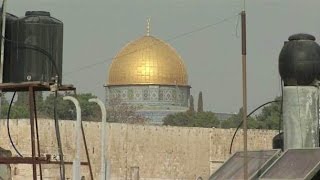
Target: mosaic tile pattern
[{"x": 157, "y": 100}]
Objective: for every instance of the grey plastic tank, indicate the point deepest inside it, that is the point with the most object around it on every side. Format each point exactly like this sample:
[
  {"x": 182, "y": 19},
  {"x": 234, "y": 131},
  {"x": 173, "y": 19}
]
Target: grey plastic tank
[{"x": 38, "y": 51}]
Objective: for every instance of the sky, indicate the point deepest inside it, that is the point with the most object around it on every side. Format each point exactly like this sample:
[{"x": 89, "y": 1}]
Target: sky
[{"x": 95, "y": 30}]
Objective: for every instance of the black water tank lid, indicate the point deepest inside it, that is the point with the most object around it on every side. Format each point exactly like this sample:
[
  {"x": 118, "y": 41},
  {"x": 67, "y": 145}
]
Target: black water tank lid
[
  {"x": 37, "y": 13},
  {"x": 301, "y": 36}
]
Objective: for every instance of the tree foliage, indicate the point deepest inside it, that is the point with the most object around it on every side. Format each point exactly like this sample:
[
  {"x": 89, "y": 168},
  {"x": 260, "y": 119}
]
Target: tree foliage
[
  {"x": 268, "y": 118},
  {"x": 45, "y": 107},
  {"x": 196, "y": 119},
  {"x": 270, "y": 115},
  {"x": 20, "y": 110},
  {"x": 200, "y": 102},
  {"x": 236, "y": 119},
  {"x": 191, "y": 107}
]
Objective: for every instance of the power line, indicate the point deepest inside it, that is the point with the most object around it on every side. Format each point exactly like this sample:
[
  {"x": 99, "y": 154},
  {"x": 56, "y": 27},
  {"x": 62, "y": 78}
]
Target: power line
[{"x": 155, "y": 44}]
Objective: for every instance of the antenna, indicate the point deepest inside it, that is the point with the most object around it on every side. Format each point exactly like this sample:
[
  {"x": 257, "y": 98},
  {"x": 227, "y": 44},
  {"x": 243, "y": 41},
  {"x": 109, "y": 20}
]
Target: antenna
[
  {"x": 244, "y": 90},
  {"x": 148, "y": 26},
  {"x": 244, "y": 5}
]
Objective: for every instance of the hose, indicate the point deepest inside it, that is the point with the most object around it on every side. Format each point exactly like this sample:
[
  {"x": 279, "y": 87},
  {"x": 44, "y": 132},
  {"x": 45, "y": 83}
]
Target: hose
[
  {"x": 234, "y": 135},
  {"x": 8, "y": 125}
]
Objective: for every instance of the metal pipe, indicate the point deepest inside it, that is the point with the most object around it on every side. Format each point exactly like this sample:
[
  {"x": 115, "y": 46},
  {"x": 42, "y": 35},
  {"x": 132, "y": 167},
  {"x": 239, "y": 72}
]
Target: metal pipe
[
  {"x": 76, "y": 161},
  {"x": 37, "y": 132},
  {"x": 33, "y": 151},
  {"x": 3, "y": 33},
  {"x": 57, "y": 128},
  {"x": 3, "y": 30},
  {"x": 103, "y": 137},
  {"x": 85, "y": 145},
  {"x": 28, "y": 160},
  {"x": 87, "y": 153},
  {"x": 244, "y": 92}
]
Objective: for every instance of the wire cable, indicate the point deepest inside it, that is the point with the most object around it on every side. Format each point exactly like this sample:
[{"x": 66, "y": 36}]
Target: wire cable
[
  {"x": 56, "y": 123},
  {"x": 234, "y": 135},
  {"x": 8, "y": 125},
  {"x": 157, "y": 43}
]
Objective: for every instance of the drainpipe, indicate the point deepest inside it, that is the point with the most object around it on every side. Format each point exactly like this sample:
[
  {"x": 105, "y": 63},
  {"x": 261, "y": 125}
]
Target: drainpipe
[
  {"x": 76, "y": 162},
  {"x": 104, "y": 173}
]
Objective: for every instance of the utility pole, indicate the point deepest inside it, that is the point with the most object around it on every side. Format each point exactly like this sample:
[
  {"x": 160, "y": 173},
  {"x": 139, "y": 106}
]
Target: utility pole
[{"x": 244, "y": 92}]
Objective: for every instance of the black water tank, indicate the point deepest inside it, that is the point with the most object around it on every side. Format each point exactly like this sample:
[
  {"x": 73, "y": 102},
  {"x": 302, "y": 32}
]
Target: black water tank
[
  {"x": 38, "y": 53},
  {"x": 10, "y": 19},
  {"x": 299, "y": 60}
]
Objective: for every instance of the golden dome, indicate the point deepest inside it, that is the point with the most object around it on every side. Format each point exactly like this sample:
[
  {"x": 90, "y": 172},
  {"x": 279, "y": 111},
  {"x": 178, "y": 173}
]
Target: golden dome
[{"x": 147, "y": 60}]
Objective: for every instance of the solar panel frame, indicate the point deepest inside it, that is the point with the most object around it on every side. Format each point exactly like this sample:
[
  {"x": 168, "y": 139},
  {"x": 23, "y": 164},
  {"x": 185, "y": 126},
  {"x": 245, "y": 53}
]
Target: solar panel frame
[
  {"x": 257, "y": 172},
  {"x": 312, "y": 172}
]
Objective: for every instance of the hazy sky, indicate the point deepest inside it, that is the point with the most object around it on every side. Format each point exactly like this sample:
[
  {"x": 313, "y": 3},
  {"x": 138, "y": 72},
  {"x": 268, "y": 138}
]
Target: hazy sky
[{"x": 95, "y": 30}]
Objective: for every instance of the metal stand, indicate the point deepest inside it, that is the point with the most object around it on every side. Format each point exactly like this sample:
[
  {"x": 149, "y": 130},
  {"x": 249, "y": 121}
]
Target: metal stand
[{"x": 32, "y": 87}]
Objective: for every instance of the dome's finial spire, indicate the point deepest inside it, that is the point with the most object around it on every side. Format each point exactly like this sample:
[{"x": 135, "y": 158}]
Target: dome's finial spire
[{"x": 148, "y": 26}]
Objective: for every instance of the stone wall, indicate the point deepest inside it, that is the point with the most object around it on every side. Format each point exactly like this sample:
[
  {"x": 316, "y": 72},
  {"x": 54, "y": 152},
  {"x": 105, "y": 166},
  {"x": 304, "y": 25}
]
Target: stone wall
[{"x": 159, "y": 152}]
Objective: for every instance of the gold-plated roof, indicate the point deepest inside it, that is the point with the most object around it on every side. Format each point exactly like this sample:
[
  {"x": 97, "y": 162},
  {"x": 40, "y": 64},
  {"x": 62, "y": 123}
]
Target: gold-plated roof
[{"x": 147, "y": 60}]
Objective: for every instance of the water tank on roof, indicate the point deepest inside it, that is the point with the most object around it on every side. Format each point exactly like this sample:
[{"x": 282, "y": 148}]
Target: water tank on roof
[
  {"x": 299, "y": 60},
  {"x": 10, "y": 19},
  {"x": 38, "y": 48}
]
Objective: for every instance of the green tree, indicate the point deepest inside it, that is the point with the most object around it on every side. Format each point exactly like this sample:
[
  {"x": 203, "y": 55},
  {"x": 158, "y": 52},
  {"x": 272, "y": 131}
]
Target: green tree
[
  {"x": 236, "y": 119},
  {"x": 4, "y": 107},
  {"x": 45, "y": 108},
  {"x": 191, "y": 107},
  {"x": 270, "y": 115},
  {"x": 66, "y": 110},
  {"x": 19, "y": 108},
  {"x": 205, "y": 119},
  {"x": 197, "y": 119},
  {"x": 178, "y": 119},
  {"x": 21, "y": 99},
  {"x": 200, "y": 102}
]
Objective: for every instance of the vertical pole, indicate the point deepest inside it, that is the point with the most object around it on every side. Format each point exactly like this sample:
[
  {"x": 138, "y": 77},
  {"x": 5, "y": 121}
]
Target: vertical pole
[
  {"x": 244, "y": 91},
  {"x": 37, "y": 132},
  {"x": 31, "y": 111},
  {"x": 3, "y": 31},
  {"x": 57, "y": 128},
  {"x": 87, "y": 152}
]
